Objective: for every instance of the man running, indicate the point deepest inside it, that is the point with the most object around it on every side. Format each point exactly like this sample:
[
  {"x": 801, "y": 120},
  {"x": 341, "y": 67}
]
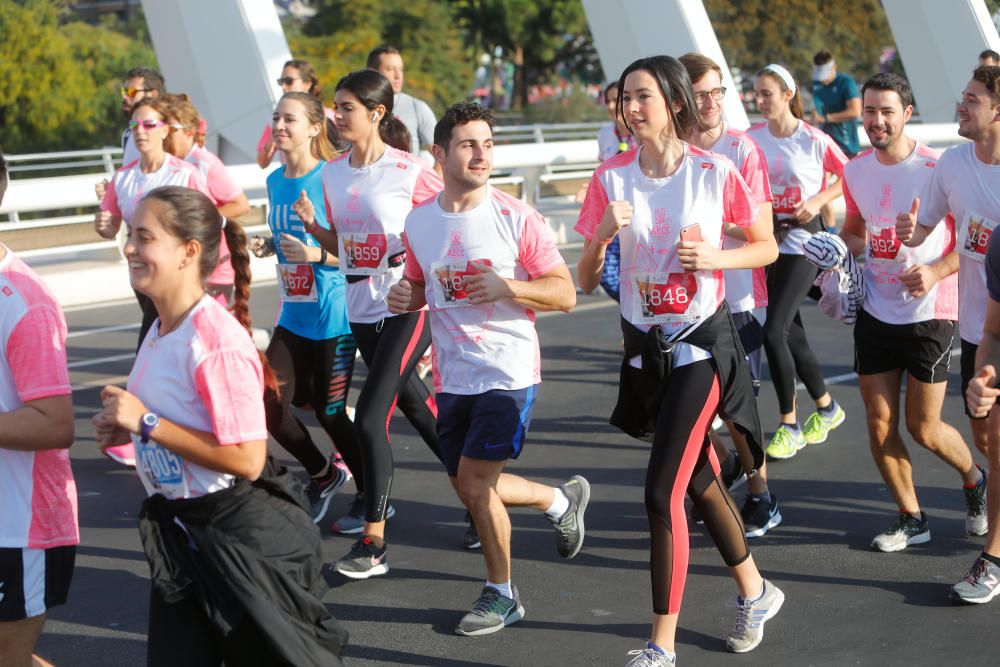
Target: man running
[
  {"x": 836, "y": 110},
  {"x": 415, "y": 114},
  {"x": 910, "y": 308},
  {"x": 483, "y": 262},
  {"x": 967, "y": 182}
]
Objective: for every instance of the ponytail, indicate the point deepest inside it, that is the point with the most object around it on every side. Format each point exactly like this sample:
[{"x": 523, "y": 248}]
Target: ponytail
[
  {"x": 394, "y": 133},
  {"x": 320, "y": 146}
]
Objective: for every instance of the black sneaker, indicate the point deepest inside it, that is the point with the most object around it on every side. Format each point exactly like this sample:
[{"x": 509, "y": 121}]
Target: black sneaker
[
  {"x": 364, "y": 560},
  {"x": 975, "y": 504},
  {"x": 903, "y": 533},
  {"x": 471, "y": 538},
  {"x": 569, "y": 527},
  {"x": 733, "y": 475},
  {"x": 491, "y": 612},
  {"x": 321, "y": 491},
  {"x": 760, "y": 516}
]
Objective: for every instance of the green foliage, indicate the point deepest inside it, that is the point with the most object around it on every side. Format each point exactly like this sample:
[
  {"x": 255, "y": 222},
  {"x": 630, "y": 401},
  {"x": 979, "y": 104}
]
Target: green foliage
[
  {"x": 59, "y": 82},
  {"x": 575, "y": 106}
]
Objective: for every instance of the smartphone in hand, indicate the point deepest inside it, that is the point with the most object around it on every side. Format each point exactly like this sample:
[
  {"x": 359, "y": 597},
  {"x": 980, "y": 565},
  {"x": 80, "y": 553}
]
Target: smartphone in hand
[{"x": 691, "y": 233}]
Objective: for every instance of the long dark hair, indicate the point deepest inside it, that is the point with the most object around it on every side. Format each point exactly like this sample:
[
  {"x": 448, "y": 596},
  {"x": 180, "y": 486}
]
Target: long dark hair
[
  {"x": 373, "y": 89},
  {"x": 675, "y": 85}
]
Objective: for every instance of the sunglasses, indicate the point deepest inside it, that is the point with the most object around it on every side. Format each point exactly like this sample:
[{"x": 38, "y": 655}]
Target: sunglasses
[
  {"x": 146, "y": 124},
  {"x": 716, "y": 94},
  {"x": 287, "y": 80},
  {"x": 131, "y": 92}
]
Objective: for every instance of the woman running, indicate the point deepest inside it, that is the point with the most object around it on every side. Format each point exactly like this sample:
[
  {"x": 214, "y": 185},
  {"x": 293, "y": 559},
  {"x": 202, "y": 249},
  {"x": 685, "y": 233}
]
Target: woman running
[
  {"x": 369, "y": 192},
  {"x": 297, "y": 76},
  {"x": 154, "y": 168},
  {"x": 235, "y": 560},
  {"x": 798, "y": 157},
  {"x": 312, "y": 350},
  {"x": 668, "y": 202}
]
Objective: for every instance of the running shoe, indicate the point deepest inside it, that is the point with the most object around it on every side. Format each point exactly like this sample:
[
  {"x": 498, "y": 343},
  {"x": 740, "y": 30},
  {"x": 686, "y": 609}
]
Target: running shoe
[
  {"x": 338, "y": 461},
  {"x": 123, "y": 454},
  {"x": 903, "y": 533},
  {"x": 975, "y": 504},
  {"x": 733, "y": 474},
  {"x": 365, "y": 560},
  {"x": 650, "y": 657},
  {"x": 751, "y": 616},
  {"x": 471, "y": 538},
  {"x": 759, "y": 516},
  {"x": 321, "y": 491},
  {"x": 817, "y": 428},
  {"x": 353, "y": 522},
  {"x": 493, "y": 611},
  {"x": 425, "y": 365},
  {"x": 786, "y": 443},
  {"x": 980, "y": 585},
  {"x": 569, "y": 527}
]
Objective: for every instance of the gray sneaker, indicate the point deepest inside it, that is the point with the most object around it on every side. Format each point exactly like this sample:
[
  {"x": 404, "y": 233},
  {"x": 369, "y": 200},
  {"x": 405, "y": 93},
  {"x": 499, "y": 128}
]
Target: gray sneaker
[
  {"x": 980, "y": 585},
  {"x": 353, "y": 522},
  {"x": 975, "y": 505},
  {"x": 491, "y": 612},
  {"x": 903, "y": 533},
  {"x": 751, "y": 616},
  {"x": 569, "y": 527},
  {"x": 648, "y": 657}
]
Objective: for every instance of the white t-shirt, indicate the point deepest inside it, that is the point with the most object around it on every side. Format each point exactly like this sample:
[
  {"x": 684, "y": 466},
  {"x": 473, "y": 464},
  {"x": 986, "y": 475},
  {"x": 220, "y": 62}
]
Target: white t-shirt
[
  {"x": 206, "y": 375},
  {"x": 129, "y": 184},
  {"x": 970, "y": 189},
  {"x": 706, "y": 190},
  {"x": 797, "y": 167},
  {"x": 367, "y": 208},
  {"x": 609, "y": 144},
  {"x": 480, "y": 347},
  {"x": 37, "y": 491},
  {"x": 878, "y": 193},
  {"x": 746, "y": 289},
  {"x": 222, "y": 189}
]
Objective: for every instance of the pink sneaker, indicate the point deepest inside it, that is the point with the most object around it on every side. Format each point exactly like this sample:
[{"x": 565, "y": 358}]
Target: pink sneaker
[
  {"x": 124, "y": 454},
  {"x": 338, "y": 462}
]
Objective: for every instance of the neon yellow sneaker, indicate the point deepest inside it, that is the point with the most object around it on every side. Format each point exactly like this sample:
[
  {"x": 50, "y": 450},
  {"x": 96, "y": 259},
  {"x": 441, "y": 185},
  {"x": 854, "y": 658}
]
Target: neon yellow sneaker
[
  {"x": 785, "y": 443},
  {"x": 817, "y": 428}
]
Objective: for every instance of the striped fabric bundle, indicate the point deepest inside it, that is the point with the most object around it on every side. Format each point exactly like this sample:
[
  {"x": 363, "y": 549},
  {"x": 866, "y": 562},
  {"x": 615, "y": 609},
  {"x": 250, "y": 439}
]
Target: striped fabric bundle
[{"x": 840, "y": 280}]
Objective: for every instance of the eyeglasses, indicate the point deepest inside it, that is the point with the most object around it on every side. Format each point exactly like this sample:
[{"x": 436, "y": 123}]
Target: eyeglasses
[
  {"x": 146, "y": 124},
  {"x": 716, "y": 94},
  {"x": 131, "y": 92},
  {"x": 287, "y": 80}
]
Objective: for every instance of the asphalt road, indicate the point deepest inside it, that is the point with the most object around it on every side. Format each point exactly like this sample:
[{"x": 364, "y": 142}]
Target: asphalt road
[{"x": 845, "y": 604}]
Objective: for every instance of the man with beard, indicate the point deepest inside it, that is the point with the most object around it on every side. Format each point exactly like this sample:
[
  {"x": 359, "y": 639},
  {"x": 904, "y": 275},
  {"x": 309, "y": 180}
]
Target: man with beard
[
  {"x": 967, "y": 182},
  {"x": 908, "y": 318}
]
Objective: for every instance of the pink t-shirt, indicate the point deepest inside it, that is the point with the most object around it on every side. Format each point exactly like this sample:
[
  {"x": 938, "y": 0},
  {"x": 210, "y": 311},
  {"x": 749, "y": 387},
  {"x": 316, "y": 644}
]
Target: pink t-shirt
[
  {"x": 37, "y": 492},
  {"x": 746, "y": 289},
  {"x": 878, "y": 193},
  {"x": 367, "y": 208},
  {"x": 206, "y": 375},
  {"x": 129, "y": 185},
  {"x": 222, "y": 189},
  {"x": 706, "y": 190},
  {"x": 480, "y": 347},
  {"x": 797, "y": 167}
]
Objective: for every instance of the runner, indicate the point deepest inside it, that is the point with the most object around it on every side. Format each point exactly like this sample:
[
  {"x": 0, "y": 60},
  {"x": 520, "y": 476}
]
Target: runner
[
  {"x": 312, "y": 350},
  {"x": 416, "y": 115},
  {"x": 154, "y": 168},
  {"x": 798, "y": 158},
  {"x": 484, "y": 262},
  {"x": 669, "y": 202},
  {"x": 368, "y": 192},
  {"x": 235, "y": 562},
  {"x": 139, "y": 83},
  {"x": 908, "y": 319},
  {"x": 38, "y": 522},
  {"x": 746, "y": 289},
  {"x": 297, "y": 76},
  {"x": 966, "y": 182}
]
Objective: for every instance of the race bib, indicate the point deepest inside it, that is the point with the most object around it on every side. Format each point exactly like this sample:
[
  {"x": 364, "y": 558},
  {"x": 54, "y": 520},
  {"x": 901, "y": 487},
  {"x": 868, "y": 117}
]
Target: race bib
[
  {"x": 162, "y": 468},
  {"x": 662, "y": 298},
  {"x": 973, "y": 236},
  {"x": 297, "y": 283},
  {"x": 785, "y": 199},
  {"x": 363, "y": 254},
  {"x": 883, "y": 244},
  {"x": 448, "y": 282}
]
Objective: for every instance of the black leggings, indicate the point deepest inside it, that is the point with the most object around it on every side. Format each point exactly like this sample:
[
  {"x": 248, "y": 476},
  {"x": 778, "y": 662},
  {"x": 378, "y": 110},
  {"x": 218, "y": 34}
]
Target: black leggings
[
  {"x": 315, "y": 373},
  {"x": 682, "y": 460},
  {"x": 788, "y": 353},
  {"x": 391, "y": 349}
]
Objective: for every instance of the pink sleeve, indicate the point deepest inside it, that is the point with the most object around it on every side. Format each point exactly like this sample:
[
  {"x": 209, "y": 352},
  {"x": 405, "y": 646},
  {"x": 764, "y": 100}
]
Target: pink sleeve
[
  {"x": 428, "y": 184},
  {"x": 222, "y": 189},
  {"x": 537, "y": 250},
  {"x": 265, "y": 138},
  {"x": 754, "y": 172},
  {"x": 197, "y": 182},
  {"x": 833, "y": 158},
  {"x": 231, "y": 384},
  {"x": 110, "y": 201},
  {"x": 36, "y": 351},
  {"x": 594, "y": 205},
  {"x": 739, "y": 207},
  {"x": 849, "y": 203},
  {"x": 412, "y": 270}
]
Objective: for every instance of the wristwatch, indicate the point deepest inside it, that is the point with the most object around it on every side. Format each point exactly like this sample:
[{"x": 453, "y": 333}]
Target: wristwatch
[{"x": 147, "y": 423}]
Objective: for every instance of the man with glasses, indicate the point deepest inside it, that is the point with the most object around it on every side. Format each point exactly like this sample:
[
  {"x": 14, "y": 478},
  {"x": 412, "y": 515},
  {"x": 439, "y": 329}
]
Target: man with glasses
[{"x": 139, "y": 82}]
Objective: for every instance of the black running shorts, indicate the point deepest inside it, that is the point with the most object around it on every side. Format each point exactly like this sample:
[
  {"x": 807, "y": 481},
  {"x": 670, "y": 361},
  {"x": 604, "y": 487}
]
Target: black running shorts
[{"x": 922, "y": 349}]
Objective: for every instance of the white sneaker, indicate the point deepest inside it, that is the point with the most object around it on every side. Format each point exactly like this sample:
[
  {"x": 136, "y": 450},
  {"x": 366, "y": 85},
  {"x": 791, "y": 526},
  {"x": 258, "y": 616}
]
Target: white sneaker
[{"x": 751, "y": 616}]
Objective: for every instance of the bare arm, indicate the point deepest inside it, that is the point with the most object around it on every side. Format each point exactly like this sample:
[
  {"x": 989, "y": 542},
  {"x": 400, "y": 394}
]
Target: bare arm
[
  {"x": 852, "y": 111},
  {"x": 551, "y": 291},
  {"x": 760, "y": 250},
  {"x": 45, "y": 423},
  {"x": 617, "y": 216},
  {"x": 854, "y": 233},
  {"x": 406, "y": 296},
  {"x": 764, "y": 214},
  {"x": 234, "y": 209}
]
